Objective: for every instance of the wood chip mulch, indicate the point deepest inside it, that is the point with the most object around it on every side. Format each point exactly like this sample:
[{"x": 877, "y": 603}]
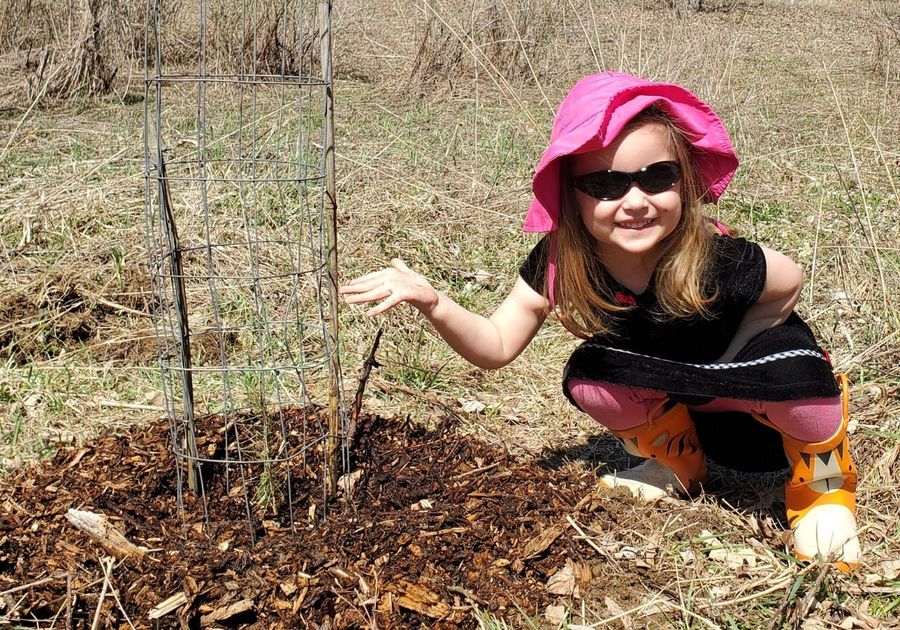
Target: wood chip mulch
[{"x": 439, "y": 527}]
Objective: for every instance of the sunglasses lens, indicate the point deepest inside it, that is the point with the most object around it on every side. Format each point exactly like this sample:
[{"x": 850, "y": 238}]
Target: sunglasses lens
[
  {"x": 604, "y": 184},
  {"x": 658, "y": 177},
  {"x": 608, "y": 185}
]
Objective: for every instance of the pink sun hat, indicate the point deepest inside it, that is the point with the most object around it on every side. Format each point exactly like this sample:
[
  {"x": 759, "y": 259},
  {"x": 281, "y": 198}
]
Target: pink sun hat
[{"x": 596, "y": 110}]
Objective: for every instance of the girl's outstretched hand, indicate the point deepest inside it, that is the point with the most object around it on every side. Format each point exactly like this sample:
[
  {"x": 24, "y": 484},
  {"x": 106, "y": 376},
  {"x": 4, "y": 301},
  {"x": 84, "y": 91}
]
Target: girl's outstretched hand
[{"x": 395, "y": 284}]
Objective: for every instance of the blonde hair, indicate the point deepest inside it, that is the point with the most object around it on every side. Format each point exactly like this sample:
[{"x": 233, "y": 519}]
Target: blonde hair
[{"x": 585, "y": 302}]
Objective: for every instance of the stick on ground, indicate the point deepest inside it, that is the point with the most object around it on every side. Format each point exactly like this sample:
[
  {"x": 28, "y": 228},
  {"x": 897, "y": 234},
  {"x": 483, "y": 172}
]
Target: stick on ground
[{"x": 98, "y": 527}]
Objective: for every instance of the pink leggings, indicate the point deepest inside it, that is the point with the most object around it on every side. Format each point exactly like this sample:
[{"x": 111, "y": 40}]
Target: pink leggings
[{"x": 619, "y": 408}]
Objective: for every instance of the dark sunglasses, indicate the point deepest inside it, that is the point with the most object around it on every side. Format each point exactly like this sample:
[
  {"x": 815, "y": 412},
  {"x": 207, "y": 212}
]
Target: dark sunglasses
[{"x": 609, "y": 185}]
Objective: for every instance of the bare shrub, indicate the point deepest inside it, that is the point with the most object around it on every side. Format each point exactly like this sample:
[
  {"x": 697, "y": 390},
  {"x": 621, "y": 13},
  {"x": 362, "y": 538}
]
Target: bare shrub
[
  {"x": 92, "y": 65},
  {"x": 886, "y": 48},
  {"x": 58, "y": 49},
  {"x": 55, "y": 49},
  {"x": 502, "y": 38},
  {"x": 268, "y": 38}
]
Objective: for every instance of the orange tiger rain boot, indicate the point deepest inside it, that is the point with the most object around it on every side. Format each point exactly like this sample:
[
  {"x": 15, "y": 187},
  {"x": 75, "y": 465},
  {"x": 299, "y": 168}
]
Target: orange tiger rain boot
[
  {"x": 674, "y": 457},
  {"x": 820, "y": 496}
]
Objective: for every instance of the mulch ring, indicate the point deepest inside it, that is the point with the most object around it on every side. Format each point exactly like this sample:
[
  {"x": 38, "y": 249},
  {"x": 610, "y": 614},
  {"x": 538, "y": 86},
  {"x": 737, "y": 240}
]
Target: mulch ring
[{"x": 441, "y": 527}]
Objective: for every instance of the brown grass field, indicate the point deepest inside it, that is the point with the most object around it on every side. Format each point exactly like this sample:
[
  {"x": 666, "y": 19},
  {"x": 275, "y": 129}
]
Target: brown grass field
[{"x": 443, "y": 108}]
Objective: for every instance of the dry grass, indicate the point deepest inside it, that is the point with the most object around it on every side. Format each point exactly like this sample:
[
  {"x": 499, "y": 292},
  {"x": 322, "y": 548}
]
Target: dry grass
[{"x": 443, "y": 109}]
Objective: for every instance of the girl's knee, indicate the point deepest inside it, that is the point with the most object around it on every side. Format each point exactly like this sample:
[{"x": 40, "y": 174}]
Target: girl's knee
[
  {"x": 813, "y": 420},
  {"x": 617, "y": 407}
]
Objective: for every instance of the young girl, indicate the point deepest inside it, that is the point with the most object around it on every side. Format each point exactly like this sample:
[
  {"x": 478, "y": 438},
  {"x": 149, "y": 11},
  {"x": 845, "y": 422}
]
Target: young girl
[{"x": 691, "y": 344}]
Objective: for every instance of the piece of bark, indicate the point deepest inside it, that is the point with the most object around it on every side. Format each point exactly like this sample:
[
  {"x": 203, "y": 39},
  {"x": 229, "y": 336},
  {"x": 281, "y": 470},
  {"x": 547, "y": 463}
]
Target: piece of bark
[
  {"x": 540, "y": 543},
  {"x": 226, "y": 612},
  {"x": 422, "y": 600},
  {"x": 98, "y": 527},
  {"x": 166, "y": 606}
]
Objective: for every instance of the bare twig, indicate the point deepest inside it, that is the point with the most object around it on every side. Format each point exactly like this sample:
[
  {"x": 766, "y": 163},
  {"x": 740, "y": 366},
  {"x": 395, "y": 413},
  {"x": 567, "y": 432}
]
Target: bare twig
[
  {"x": 68, "y": 601},
  {"x": 104, "y": 402},
  {"x": 96, "y": 622},
  {"x": 802, "y": 610},
  {"x": 585, "y": 537},
  {"x": 467, "y": 594},
  {"x": 119, "y": 307},
  {"x": 106, "y": 564},
  {"x": 356, "y": 408},
  {"x": 781, "y": 613},
  {"x": 24, "y": 587}
]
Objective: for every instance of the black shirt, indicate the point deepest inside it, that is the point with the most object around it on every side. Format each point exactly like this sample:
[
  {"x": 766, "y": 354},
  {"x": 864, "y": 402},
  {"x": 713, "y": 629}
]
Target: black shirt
[{"x": 738, "y": 275}]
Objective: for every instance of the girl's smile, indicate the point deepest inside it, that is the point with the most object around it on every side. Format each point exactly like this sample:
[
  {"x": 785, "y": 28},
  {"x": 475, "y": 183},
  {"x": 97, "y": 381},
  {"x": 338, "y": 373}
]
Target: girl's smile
[{"x": 635, "y": 225}]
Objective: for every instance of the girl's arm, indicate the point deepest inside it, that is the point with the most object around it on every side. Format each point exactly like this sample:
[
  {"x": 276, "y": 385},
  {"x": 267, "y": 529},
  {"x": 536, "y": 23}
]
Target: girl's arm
[
  {"x": 784, "y": 281},
  {"x": 485, "y": 342}
]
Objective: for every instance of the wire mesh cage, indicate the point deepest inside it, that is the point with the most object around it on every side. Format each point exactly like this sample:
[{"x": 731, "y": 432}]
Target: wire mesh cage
[{"x": 241, "y": 231}]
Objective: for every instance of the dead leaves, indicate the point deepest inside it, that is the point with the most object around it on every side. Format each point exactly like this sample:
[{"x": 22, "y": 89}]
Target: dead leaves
[{"x": 562, "y": 582}]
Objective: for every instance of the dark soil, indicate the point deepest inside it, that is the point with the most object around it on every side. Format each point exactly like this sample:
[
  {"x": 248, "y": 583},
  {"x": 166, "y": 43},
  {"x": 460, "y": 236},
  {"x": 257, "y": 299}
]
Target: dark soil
[
  {"x": 440, "y": 526},
  {"x": 68, "y": 311}
]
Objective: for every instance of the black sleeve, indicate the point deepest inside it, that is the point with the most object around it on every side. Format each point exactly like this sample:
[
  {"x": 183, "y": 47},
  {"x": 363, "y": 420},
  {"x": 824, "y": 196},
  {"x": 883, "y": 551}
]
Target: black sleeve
[
  {"x": 740, "y": 270},
  {"x": 534, "y": 268}
]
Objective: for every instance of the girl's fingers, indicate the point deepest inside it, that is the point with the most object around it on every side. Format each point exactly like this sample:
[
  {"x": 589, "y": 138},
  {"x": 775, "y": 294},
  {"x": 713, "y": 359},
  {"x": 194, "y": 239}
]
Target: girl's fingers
[
  {"x": 399, "y": 265},
  {"x": 377, "y": 276},
  {"x": 368, "y": 281},
  {"x": 389, "y": 285},
  {"x": 357, "y": 286},
  {"x": 365, "y": 278},
  {"x": 387, "y": 304},
  {"x": 378, "y": 293}
]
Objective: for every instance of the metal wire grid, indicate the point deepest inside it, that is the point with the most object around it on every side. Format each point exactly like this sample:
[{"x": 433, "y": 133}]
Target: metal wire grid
[{"x": 241, "y": 248}]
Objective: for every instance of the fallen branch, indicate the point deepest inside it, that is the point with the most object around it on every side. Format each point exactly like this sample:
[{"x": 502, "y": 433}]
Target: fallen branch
[{"x": 98, "y": 527}]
